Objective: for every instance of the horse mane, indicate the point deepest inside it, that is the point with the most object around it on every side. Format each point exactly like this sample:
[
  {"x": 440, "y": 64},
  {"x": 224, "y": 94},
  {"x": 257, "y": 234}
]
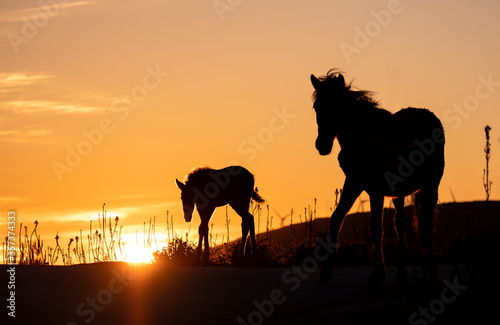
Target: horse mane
[
  {"x": 194, "y": 171},
  {"x": 360, "y": 96}
]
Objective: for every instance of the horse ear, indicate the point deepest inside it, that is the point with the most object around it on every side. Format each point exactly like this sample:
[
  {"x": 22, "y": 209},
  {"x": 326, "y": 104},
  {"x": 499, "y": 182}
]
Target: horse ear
[
  {"x": 180, "y": 185},
  {"x": 315, "y": 82},
  {"x": 341, "y": 79}
]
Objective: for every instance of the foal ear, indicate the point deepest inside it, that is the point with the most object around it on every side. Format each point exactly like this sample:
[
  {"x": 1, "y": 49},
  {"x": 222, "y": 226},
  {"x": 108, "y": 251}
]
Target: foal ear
[
  {"x": 341, "y": 79},
  {"x": 180, "y": 185},
  {"x": 315, "y": 82}
]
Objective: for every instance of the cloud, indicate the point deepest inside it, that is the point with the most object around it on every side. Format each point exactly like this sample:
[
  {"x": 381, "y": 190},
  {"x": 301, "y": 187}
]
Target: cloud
[
  {"x": 51, "y": 10},
  {"x": 38, "y": 136},
  {"x": 10, "y": 82},
  {"x": 42, "y": 106},
  {"x": 8, "y": 199},
  {"x": 13, "y": 20},
  {"x": 29, "y": 102},
  {"x": 37, "y": 85},
  {"x": 132, "y": 214}
]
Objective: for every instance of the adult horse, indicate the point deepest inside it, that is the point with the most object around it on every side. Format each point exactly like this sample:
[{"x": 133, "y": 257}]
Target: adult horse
[
  {"x": 208, "y": 189},
  {"x": 384, "y": 154}
]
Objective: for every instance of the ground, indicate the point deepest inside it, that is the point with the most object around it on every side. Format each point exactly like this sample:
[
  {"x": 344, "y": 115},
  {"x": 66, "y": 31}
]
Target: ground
[{"x": 120, "y": 293}]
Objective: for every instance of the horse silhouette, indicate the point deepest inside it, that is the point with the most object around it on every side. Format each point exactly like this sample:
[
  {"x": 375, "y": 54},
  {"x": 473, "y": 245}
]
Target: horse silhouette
[
  {"x": 384, "y": 154},
  {"x": 208, "y": 189}
]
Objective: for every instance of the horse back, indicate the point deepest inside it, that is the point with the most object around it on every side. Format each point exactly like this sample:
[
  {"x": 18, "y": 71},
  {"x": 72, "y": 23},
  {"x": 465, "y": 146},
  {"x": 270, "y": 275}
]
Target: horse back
[
  {"x": 406, "y": 147},
  {"x": 229, "y": 185}
]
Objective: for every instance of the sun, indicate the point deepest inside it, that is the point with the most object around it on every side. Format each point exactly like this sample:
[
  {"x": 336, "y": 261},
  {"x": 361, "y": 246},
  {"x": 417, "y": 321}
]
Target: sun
[{"x": 136, "y": 254}]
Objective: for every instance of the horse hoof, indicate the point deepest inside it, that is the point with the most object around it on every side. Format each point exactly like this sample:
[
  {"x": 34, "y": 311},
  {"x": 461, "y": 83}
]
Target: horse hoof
[{"x": 326, "y": 274}]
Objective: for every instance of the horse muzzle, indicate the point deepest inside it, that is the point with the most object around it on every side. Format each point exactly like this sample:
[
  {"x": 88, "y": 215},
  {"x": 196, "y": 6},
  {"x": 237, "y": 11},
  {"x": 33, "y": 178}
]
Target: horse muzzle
[
  {"x": 324, "y": 146},
  {"x": 188, "y": 214}
]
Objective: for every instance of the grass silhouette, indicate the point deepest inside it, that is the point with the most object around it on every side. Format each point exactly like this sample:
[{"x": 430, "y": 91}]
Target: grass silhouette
[{"x": 457, "y": 240}]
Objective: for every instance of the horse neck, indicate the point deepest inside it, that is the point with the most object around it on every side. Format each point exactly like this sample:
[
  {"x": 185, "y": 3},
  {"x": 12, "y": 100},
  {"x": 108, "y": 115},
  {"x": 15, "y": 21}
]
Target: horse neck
[
  {"x": 356, "y": 123},
  {"x": 353, "y": 121},
  {"x": 199, "y": 179}
]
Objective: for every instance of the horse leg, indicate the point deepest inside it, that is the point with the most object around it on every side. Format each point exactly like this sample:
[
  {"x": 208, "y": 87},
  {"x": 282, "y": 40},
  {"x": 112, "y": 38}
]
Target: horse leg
[
  {"x": 201, "y": 235},
  {"x": 205, "y": 215},
  {"x": 250, "y": 225},
  {"x": 400, "y": 222},
  {"x": 247, "y": 226},
  {"x": 250, "y": 228},
  {"x": 350, "y": 193},
  {"x": 428, "y": 201},
  {"x": 244, "y": 235},
  {"x": 206, "y": 255},
  {"x": 376, "y": 234},
  {"x": 252, "y": 234}
]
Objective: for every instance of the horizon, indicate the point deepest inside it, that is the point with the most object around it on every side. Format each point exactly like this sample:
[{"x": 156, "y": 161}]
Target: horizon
[{"x": 110, "y": 102}]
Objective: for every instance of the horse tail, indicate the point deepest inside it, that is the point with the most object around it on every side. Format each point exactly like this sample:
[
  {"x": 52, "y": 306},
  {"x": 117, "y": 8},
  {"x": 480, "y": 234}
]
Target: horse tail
[{"x": 256, "y": 197}]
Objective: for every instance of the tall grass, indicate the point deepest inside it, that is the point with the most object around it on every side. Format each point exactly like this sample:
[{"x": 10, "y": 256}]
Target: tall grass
[
  {"x": 269, "y": 252},
  {"x": 31, "y": 249},
  {"x": 486, "y": 172},
  {"x": 103, "y": 244},
  {"x": 486, "y": 178}
]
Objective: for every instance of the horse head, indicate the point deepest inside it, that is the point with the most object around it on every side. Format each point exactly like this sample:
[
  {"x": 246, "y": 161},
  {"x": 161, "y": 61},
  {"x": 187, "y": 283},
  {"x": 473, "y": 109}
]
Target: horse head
[
  {"x": 329, "y": 101},
  {"x": 187, "y": 197}
]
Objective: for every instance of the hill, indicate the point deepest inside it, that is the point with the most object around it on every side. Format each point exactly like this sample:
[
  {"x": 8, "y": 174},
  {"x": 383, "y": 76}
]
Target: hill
[
  {"x": 468, "y": 218},
  {"x": 459, "y": 229}
]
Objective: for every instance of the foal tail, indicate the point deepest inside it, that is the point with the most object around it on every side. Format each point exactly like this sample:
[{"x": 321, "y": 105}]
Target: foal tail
[{"x": 256, "y": 197}]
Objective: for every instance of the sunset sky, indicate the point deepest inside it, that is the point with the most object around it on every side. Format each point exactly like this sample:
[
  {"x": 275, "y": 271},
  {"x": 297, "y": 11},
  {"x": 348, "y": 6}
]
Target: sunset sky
[{"x": 109, "y": 101}]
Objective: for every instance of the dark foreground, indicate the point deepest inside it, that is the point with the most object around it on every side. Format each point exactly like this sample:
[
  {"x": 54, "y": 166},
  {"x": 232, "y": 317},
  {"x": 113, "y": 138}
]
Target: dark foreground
[{"x": 119, "y": 293}]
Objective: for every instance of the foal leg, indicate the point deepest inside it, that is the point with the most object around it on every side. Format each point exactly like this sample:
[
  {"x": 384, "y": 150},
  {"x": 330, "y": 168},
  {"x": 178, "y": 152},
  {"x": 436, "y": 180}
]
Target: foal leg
[
  {"x": 376, "y": 233},
  {"x": 251, "y": 227},
  {"x": 244, "y": 234},
  {"x": 202, "y": 230},
  {"x": 205, "y": 215},
  {"x": 400, "y": 222},
  {"x": 247, "y": 226},
  {"x": 350, "y": 193},
  {"x": 428, "y": 201}
]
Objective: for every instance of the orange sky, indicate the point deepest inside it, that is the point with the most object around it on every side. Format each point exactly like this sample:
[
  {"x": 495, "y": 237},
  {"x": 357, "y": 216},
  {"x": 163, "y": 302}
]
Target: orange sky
[{"x": 110, "y": 101}]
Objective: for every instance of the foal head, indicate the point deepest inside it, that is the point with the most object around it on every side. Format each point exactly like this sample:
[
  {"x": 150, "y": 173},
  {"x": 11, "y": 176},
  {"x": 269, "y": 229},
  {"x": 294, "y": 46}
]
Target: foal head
[
  {"x": 330, "y": 93},
  {"x": 188, "y": 200}
]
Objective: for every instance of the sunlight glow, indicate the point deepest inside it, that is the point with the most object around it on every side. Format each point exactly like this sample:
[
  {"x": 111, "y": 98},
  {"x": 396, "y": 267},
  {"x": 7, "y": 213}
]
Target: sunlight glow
[{"x": 136, "y": 254}]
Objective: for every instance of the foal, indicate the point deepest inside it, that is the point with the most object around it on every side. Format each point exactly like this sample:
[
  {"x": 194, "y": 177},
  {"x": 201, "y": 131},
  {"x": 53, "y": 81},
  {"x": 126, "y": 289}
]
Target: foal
[{"x": 208, "y": 189}]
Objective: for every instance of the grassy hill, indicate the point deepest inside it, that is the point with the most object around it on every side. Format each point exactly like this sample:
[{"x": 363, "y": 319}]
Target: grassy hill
[{"x": 460, "y": 232}]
